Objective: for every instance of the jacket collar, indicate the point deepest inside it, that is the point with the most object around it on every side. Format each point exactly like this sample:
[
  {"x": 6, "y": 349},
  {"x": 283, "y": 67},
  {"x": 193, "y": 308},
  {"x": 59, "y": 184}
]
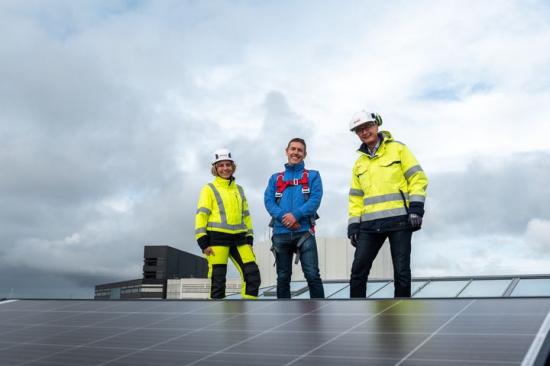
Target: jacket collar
[
  {"x": 295, "y": 167},
  {"x": 223, "y": 182},
  {"x": 383, "y": 137}
]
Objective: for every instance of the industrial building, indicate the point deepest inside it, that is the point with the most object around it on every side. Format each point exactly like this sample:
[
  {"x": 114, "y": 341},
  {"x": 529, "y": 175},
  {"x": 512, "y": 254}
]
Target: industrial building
[{"x": 160, "y": 263}]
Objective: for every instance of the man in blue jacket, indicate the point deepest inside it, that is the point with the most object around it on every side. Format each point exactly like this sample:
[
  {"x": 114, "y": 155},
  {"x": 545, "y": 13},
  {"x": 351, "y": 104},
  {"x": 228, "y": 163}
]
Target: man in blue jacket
[{"x": 292, "y": 198}]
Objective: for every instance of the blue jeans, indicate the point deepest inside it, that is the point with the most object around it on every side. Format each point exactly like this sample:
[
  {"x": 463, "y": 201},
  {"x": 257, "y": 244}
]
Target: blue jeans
[
  {"x": 368, "y": 245},
  {"x": 285, "y": 246}
]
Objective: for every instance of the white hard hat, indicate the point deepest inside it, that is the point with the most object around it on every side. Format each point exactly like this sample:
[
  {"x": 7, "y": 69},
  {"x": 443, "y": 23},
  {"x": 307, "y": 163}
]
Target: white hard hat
[
  {"x": 222, "y": 154},
  {"x": 364, "y": 117}
]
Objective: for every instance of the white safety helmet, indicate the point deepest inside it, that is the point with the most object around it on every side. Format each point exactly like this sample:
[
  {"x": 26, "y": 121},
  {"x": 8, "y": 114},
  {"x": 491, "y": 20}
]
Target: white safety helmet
[
  {"x": 222, "y": 154},
  {"x": 364, "y": 117}
]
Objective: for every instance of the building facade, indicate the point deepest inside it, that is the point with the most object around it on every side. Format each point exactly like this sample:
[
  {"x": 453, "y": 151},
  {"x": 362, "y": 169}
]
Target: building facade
[{"x": 160, "y": 263}]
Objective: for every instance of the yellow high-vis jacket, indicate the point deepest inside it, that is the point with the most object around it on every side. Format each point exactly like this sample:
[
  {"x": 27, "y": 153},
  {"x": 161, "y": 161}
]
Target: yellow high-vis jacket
[
  {"x": 387, "y": 187},
  {"x": 222, "y": 216}
]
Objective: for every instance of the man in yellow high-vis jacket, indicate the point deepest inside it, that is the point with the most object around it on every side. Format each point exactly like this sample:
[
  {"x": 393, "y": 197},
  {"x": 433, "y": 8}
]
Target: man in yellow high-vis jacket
[
  {"x": 386, "y": 200},
  {"x": 223, "y": 229}
]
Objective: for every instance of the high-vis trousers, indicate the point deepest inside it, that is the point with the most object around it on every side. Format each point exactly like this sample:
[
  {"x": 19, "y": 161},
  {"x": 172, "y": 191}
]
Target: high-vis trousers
[{"x": 245, "y": 261}]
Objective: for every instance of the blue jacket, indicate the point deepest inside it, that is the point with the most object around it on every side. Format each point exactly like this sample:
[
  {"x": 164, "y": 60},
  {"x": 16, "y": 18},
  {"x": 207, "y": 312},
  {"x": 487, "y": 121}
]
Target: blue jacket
[{"x": 293, "y": 199}]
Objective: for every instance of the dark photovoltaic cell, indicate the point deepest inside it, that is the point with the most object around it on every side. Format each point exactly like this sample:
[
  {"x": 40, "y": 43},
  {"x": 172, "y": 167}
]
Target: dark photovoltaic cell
[{"x": 511, "y": 331}]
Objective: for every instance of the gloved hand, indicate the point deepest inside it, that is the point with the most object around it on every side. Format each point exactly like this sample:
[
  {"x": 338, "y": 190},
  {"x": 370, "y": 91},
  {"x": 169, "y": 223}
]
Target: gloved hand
[
  {"x": 353, "y": 233},
  {"x": 415, "y": 220},
  {"x": 353, "y": 239}
]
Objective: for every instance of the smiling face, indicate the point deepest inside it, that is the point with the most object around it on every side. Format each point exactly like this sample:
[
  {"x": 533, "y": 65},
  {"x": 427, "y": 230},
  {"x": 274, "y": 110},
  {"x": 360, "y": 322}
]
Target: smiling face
[
  {"x": 295, "y": 152},
  {"x": 368, "y": 133},
  {"x": 225, "y": 169}
]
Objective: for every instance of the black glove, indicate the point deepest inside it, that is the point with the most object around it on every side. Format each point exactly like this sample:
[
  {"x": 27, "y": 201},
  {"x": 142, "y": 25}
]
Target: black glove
[
  {"x": 353, "y": 233},
  {"x": 415, "y": 220}
]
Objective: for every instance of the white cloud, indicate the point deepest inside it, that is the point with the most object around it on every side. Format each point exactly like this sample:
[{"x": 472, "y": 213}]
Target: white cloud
[
  {"x": 119, "y": 204},
  {"x": 538, "y": 236},
  {"x": 478, "y": 255}
]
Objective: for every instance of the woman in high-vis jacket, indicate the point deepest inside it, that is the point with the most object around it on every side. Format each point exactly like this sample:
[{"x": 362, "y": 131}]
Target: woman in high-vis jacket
[
  {"x": 223, "y": 229},
  {"x": 386, "y": 200}
]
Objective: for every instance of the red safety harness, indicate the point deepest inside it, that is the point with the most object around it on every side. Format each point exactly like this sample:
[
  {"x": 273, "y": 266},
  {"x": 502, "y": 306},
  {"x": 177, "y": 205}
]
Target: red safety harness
[{"x": 281, "y": 185}]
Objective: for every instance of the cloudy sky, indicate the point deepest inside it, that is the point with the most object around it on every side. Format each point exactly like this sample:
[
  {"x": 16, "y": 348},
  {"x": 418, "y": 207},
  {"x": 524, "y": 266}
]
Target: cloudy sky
[{"x": 110, "y": 111}]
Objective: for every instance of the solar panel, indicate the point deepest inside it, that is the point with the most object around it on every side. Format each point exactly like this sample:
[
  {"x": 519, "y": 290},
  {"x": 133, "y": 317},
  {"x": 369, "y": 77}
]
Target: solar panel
[
  {"x": 509, "y": 331},
  {"x": 486, "y": 288},
  {"x": 532, "y": 287}
]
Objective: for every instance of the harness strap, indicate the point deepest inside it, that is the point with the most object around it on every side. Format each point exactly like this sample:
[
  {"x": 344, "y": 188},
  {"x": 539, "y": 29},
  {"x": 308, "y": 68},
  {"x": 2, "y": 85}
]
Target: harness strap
[
  {"x": 281, "y": 184},
  {"x": 299, "y": 244}
]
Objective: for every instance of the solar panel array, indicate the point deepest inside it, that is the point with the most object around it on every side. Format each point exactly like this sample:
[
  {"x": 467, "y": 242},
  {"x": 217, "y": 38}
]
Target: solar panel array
[{"x": 509, "y": 331}]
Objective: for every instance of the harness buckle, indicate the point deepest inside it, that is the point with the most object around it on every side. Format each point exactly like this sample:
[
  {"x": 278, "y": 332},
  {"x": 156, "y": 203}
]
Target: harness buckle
[
  {"x": 305, "y": 190},
  {"x": 278, "y": 194},
  {"x": 295, "y": 182}
]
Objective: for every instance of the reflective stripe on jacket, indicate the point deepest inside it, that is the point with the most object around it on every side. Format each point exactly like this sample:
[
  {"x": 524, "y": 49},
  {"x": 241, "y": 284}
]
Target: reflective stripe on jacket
[
  {"x": 388, "y": 185},
  {"x": 222, "y": 208}
]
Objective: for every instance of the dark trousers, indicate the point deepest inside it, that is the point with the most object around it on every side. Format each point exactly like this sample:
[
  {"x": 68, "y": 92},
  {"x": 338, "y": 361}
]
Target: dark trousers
[
  {"x": 285, "y": 246},
  {"x": 367, "y": 248}
]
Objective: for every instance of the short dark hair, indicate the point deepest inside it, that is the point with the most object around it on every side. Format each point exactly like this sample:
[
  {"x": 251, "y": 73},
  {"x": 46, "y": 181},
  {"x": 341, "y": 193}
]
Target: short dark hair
[{"x": 297, "y": 139}]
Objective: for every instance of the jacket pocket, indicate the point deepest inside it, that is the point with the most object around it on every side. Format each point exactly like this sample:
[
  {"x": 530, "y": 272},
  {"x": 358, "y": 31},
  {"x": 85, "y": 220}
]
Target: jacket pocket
[
  {"x": 390, "y": 172},
  {"x": 389, "y": 163}
]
